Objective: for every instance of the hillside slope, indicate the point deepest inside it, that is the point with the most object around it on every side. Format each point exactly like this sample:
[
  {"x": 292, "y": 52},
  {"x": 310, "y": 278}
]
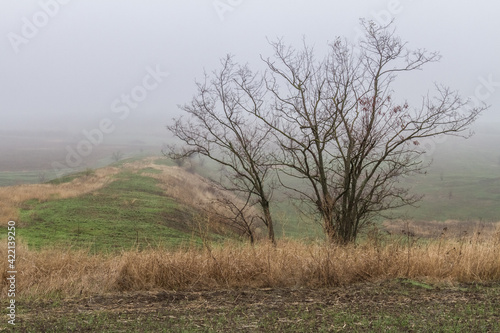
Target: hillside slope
[{"x": 139, "y": 204}]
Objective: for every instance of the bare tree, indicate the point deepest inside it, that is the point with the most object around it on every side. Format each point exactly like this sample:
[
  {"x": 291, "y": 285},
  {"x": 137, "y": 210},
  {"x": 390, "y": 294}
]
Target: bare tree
[
  {"x": 220, "y": 127},
  {"x": 337, "y": 128},
  {"x": 343, "y": 136},
  {"x": 117, "y": 155}
]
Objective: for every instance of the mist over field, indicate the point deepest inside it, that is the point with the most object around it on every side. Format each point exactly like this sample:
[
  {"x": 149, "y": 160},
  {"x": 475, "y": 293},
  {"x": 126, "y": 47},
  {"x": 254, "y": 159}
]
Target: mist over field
[
  {"x": 113, "y": 74},
  {"x": 69, "y": 64},
  {"x": 114, "y": 234},
  {"x": 84, "y": 80}
]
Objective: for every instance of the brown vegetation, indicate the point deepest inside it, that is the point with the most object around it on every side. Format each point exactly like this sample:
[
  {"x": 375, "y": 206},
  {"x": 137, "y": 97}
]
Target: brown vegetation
[
  {"x": 220, "y": 210},
  {"x": 234, "y": 265},
  {"x": 442, "y": 229}
]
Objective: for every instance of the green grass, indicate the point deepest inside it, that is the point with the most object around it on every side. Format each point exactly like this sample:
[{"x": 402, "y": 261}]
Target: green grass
[
  {"x": 132, "y": 211},
  {"x": 289, "y": 222},
  {"x": 463, "y": 183},
  {"x": 457, "y": 197}
]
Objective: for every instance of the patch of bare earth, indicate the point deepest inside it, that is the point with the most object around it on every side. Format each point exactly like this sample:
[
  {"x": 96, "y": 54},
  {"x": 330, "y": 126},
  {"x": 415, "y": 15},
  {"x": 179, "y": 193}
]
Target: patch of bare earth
[{"x": 369, "y": 301}]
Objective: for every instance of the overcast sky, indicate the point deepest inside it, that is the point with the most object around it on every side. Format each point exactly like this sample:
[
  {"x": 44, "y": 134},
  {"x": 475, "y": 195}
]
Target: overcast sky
[{"x": 68, "y": 64}]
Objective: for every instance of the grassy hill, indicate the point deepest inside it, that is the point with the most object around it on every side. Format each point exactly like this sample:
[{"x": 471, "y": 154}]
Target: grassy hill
[
  {"x": 130, "y": 211},
  {"x": 132, "y": 204}
]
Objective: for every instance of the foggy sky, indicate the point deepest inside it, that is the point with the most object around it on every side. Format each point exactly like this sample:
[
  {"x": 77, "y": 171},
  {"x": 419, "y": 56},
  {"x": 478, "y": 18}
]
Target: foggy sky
[{"x": 66, "y": 65}]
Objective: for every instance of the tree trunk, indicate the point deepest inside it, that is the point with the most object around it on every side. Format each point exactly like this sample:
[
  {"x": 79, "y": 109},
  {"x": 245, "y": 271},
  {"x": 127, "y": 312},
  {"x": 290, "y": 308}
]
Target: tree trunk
[{"x": 269, "y": 222}]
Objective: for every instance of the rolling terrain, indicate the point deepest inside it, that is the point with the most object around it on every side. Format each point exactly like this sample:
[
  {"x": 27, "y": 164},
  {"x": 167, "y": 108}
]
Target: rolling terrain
[
  {"x": 462, "y": 183},
  {"x": 124, "y": 246},
  {"x": 133, "y": 204}
]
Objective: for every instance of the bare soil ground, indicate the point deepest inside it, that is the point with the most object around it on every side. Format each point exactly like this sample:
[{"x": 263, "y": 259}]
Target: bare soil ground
[{"x": 392, "y": 306}]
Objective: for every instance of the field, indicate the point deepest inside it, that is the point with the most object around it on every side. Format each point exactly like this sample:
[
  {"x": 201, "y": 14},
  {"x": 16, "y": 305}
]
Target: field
[
  {"x": 28, "y": 157},
  {"x": 385, "y": 283},
  {"x": 393, "y": 306},
  {"x": 463, "y": 182},
  {"x": 124, "y": 247},
  {"x": 96, "y": 222}
]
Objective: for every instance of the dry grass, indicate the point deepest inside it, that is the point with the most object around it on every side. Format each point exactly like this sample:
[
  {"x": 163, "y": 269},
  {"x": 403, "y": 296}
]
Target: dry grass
[
  {"x": 12, "y": 196},
  {"x": 194, "y": 190},
  {"x": 234, "y": 265},
  {"x": 440, "y": 229},
  {"x": 188, "y": 188}
]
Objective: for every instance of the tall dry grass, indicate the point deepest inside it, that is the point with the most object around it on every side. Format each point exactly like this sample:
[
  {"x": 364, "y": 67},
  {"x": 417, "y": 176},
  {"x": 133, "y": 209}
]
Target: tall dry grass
[
  {"x": 210, "y": 200},
  {"x": 188, "y": 188},
  {"x": 236, "y": 265}
]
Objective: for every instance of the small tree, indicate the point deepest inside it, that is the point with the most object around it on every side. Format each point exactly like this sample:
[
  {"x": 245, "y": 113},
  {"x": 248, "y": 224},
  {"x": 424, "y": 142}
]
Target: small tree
[
  {"x": 117, "y": 155},
  {"x": 219, "y": 127}
]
